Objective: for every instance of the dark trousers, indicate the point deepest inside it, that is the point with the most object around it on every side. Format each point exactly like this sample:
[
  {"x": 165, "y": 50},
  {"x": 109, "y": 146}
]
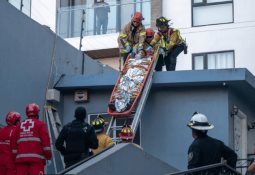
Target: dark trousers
[{"x": 170, "y": 58}]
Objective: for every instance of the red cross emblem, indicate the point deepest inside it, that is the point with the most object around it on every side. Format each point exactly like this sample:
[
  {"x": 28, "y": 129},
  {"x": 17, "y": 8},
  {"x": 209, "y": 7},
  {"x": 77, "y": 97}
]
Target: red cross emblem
[{"x": 27, "y": 125}]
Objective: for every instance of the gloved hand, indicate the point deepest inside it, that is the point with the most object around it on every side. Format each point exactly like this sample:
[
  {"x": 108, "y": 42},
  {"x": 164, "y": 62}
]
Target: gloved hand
[
  {"x": 162, "y": 51},
  {"x": 128, "y": 48},
  {"x": 148, "y": 48},
  {"x": 134, "y": 50}
]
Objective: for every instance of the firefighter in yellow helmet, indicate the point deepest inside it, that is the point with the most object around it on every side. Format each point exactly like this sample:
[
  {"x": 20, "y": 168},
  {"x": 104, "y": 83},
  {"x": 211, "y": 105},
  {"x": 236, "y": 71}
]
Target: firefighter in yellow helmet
[
  {"x": 104, "y": 140},
  {"x": 126, "y": 134},
  {"x": 132, "y": 34},
  {"x": 171, "y": 44}
]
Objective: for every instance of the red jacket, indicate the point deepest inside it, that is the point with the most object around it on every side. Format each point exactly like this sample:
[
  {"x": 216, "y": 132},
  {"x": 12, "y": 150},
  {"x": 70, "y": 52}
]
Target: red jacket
[
  {"x": 31, "y": 141},
  {"x": 6, "y": 134}
]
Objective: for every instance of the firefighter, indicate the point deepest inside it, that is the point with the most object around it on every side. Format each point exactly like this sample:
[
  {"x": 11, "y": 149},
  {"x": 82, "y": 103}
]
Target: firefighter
[
  {"x": 76, "y": 138},
  {"x": 206, "y": 150},
  {"x": 171, "y": 44},
  {"x": 104, "y": 140},
  {"x": 126, "y": 134},
  {"x": 7, "y": 158},
  {"x": 149, "y": 37},
  {"x": 32, "y": 143},
  {"x": 132, "y": 34}
]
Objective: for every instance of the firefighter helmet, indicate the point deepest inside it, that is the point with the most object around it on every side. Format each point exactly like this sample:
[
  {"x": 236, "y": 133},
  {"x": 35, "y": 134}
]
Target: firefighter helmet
[
  {"x": 98, "y": 124},
  {"x": 12, "y": 118},
  {"x": 126, "y": 133},
  {"x": 199, "y": 122},
  {"x": 137, "y": 17},
  {"x": 32, "y": 110},
  {"x": 149, "y": 32},
  {"x": 162, "y": 22}
]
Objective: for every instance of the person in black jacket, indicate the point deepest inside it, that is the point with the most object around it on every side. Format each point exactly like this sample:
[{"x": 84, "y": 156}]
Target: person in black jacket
[
  {"x": 78, "y": 137},
  {"x": 206, "y": 150}
]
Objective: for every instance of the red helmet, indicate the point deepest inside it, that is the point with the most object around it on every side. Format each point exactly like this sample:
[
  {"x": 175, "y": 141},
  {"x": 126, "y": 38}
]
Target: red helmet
[
  {"x": 126, "y": 133},
  {"x": 137, "y": 17},
  {"x": 149, "y": 32},
  {"x": 32, "y": 110},
  {"x": 12, "y": 118}
]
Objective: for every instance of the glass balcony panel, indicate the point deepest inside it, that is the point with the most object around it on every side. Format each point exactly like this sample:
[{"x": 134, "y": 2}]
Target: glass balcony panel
[{"x": 119, "y": 13}]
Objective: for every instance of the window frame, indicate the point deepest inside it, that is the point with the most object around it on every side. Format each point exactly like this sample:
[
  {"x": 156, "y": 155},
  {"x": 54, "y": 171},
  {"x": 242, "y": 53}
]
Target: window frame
[
  {"x": 205, "y": 58},
  {"x": 204, "y": 4}
]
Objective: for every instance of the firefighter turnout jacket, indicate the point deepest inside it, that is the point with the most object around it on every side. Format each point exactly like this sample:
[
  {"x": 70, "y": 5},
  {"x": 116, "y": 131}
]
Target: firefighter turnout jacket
[
  {"x": 31, "y": 141},
  {"x": 168, "y": 40},
  {"x": 104, "y": 141},
  {"x": 206, "y": 150},
  {"x": 131, "y": 36}
]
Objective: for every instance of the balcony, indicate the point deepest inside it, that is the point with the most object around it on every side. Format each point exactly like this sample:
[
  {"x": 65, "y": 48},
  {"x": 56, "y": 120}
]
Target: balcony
[{"x": 84, "y": 20}]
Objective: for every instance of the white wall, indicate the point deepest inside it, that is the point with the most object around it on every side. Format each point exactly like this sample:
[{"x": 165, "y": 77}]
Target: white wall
[
  {"x": 44, "y": 12},
  {"x": 238, "y": 36}
]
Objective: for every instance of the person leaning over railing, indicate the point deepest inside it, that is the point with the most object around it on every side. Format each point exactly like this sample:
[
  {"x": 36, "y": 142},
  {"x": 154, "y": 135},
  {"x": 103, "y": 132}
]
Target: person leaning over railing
[
  {"x": 206, "y": 150},
  {"x": 132, "y": 34}
]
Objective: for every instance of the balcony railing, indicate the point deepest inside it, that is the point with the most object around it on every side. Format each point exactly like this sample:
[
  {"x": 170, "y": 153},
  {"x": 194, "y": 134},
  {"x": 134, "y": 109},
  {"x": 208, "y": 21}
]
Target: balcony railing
[
  {"x": 23, "y": 5},
  {"x": 100, "y": 18}
]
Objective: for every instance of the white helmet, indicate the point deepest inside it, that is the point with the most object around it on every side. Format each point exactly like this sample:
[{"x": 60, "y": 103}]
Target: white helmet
[{"x": 199, "y": 122}]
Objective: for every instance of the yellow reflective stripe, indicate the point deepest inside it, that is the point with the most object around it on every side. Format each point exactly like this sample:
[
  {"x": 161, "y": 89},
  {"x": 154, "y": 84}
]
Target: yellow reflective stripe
[
  {"x": 127, "y": 44},
  {"x": 163, "y": 43},
  {"x": 142, "y": 34},
  {"x": 140, "y": 45},
  {"x": 29, "y": 139},
  {"x": 30, "y": 155},
  {"x": 123, "y": 35}
]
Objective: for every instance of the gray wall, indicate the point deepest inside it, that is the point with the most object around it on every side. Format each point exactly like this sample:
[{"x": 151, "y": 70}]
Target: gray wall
[
  {"x": 26, "y": 53},
  {"x": 165, "y": 134},
  {"x": 98, "y": 100}
]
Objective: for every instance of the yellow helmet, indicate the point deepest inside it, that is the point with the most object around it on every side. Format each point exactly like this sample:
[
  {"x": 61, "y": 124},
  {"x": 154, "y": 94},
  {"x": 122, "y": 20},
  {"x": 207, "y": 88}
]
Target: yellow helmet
[{"x": 98, "y": 124}]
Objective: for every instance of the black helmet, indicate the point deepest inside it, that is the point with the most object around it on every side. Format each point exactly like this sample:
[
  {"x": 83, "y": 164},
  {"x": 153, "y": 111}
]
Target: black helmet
[
  {"x": 98, "y": 124},
  {"x": 162, "y": 21}
]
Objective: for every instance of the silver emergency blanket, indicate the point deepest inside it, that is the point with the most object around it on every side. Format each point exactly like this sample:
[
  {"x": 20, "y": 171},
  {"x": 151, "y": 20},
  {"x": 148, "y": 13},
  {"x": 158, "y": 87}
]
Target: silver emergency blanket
[{"x": 130, "y": 83}]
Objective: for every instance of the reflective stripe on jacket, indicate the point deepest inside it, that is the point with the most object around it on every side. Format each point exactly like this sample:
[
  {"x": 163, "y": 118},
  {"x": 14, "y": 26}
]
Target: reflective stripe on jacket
[
  {"x": 168, "y": 40},
  {"x": 127, "y": 39},
  {"x": 31, "y": 141}
]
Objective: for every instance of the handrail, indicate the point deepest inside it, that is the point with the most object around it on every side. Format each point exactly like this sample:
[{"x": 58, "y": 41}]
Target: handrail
[
  {"x": 207, "y": 167},
  {"x": 83, "y": 161}
]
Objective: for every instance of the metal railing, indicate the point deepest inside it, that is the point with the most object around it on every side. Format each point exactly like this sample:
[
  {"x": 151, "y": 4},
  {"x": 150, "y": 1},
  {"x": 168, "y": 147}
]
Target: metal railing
[
  {"x": 100, "y": 18},
  {"x": 23, "y": 5},
  {"x": 214, "y": 169}
]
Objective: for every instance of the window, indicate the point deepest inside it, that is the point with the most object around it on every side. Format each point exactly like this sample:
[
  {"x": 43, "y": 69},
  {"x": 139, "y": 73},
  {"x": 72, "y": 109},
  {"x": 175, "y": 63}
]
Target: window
[
  {"x": 209, "y": 12},
  {"x": 214, "y": 60}
]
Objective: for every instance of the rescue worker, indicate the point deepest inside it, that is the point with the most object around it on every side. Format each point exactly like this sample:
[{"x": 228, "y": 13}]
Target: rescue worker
[
  {"x": 76, "y": 138},
  {"x": 32, "y": 143},
  {"x": 171, "y": 44},
  {"x": 206, "y": 150},
  {"x": 149, "y": 37},
  {"x": 132, "y": 34},
  {"x": 104, "y": 140},
  {"x": 7, "y": 158},
  {"x": 126, "y": 134}
]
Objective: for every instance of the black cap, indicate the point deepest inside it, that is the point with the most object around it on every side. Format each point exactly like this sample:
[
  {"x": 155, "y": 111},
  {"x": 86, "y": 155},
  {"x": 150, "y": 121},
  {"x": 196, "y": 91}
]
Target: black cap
[{"x": 80, "y": 113}]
